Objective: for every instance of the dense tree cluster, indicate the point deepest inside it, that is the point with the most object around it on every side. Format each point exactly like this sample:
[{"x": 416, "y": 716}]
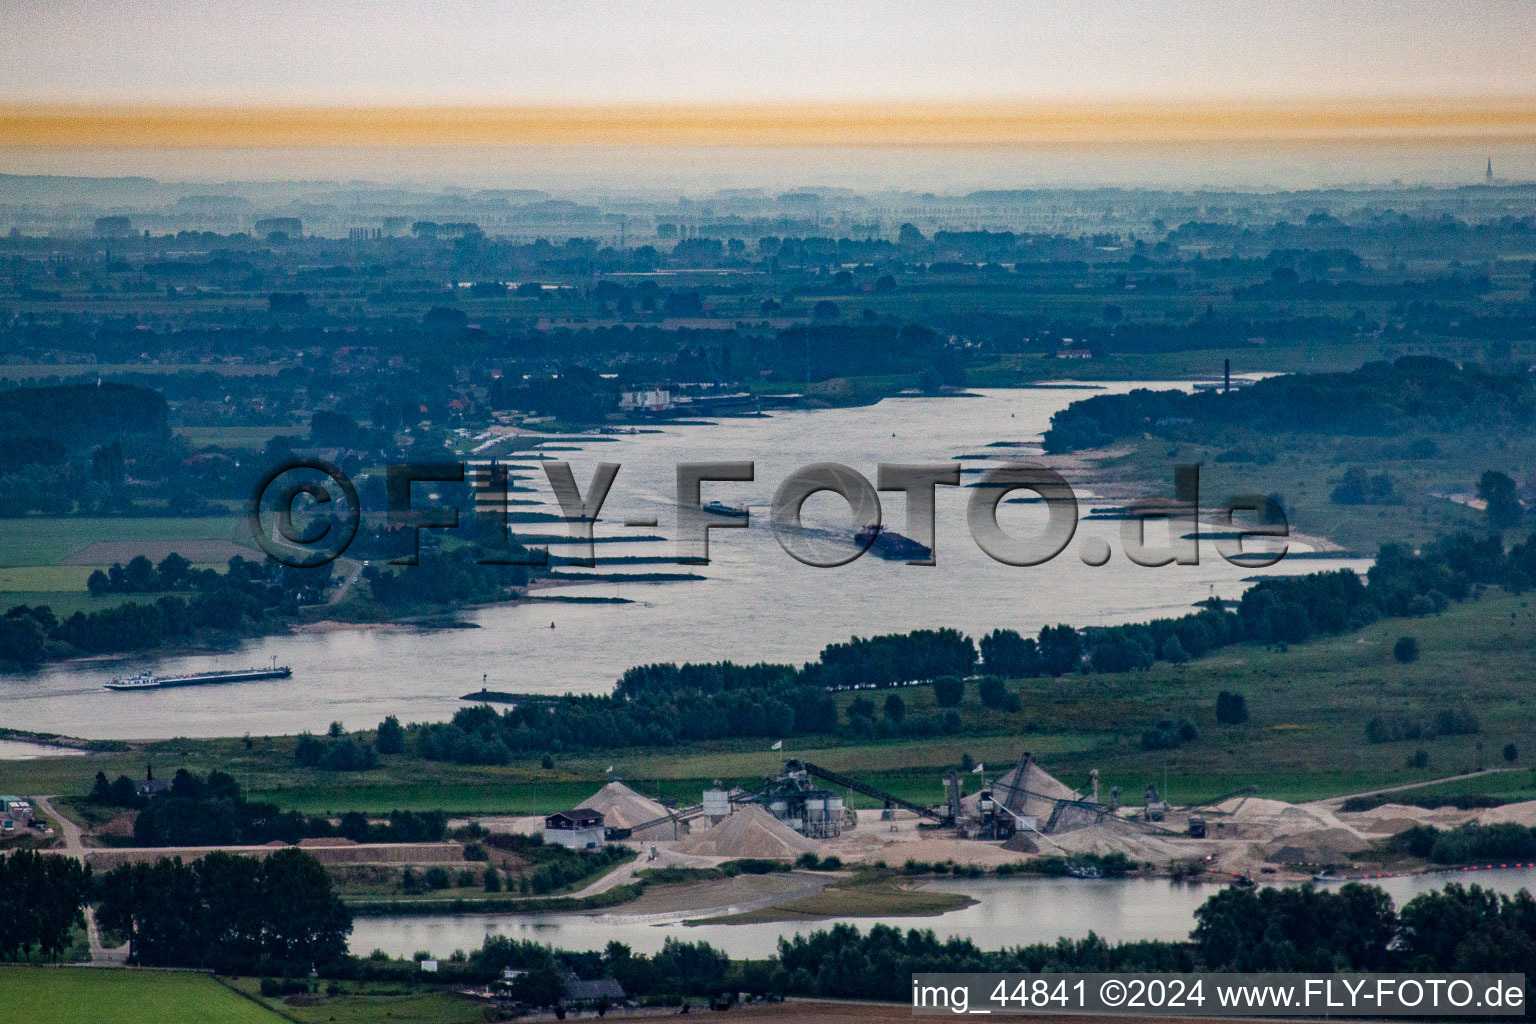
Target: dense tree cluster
[
  {"x": 1168, "y": 734},
  {"x": 251, "y": 597},
  {"x": 276, "y": 915},
  {"x": 900, "y": 657},
  {"x": 550, "y": 867},
  {"x": 862, "y": 723},
  {"x": 479, "y": 735},
  {"x": 212, "y": 810},
  {"x": 820, "y": 351},
  {"x": 340, "y": 754},
  {"x": 41, "y": 901},
  {"x": 447, "y": 576},
  {"x": 75, "y": 414},
  {"x": 1469, "y": 844},
  {"x": 1379, "y": 399},
  {"x": 665, "y": 704},
  {"x": 1305, "y": 929},
  {"x": 1394, "y": 728}
]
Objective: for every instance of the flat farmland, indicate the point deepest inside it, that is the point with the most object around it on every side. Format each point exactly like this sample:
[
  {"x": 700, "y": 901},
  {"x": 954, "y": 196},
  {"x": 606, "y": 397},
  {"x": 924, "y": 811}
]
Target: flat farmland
[
  {"x": 249, "y": 437},
  {"x": 43, "y": 995},
  {"x": 37, "y": 540}
]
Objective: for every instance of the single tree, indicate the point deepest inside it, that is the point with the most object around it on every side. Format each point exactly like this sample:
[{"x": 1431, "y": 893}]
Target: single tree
[
  {"x": 1503, "y": 504},
  {"x": 391, "y": 736},
  {"x": 948, "y": 691},
  {"x": 1231, "y": 708}
]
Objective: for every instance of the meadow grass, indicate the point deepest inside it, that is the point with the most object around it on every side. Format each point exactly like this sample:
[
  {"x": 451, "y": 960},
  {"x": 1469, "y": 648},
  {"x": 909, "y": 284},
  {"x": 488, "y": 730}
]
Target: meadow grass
[
  {"x": 65, "y": 603},
  {"x": 371, "y": 1002},
  {"x": 42, "y": 995},
  {"x": 249, "y": 437},
  {"x": 39, "y": 540}
]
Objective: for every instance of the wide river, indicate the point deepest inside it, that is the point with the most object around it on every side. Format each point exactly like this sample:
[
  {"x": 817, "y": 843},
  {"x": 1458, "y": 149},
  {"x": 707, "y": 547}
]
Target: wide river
[
  {"x": 1010, "y": 912},
  {"x": 757, "y": 603}
]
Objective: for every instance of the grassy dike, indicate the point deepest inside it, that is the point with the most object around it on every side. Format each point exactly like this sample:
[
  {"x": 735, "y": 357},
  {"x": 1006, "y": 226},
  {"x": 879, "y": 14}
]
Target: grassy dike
[{"x": 1305, "y": 738}]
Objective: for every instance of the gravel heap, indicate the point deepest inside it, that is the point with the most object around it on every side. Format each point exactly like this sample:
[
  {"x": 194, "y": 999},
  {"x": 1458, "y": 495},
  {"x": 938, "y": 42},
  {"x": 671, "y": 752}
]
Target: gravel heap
[{"x": 749, "y": 832}]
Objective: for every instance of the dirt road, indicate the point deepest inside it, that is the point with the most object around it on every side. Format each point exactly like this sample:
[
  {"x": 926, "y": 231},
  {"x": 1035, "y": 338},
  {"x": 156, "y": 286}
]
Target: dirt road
[{"x": 1333, "y": 801}]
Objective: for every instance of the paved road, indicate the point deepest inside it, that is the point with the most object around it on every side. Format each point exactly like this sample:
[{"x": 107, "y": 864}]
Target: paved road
[
  {"x": 74, "y": 843},
  {"x": 1335, "y": 800},
  {"x": 353, "y": 568}
]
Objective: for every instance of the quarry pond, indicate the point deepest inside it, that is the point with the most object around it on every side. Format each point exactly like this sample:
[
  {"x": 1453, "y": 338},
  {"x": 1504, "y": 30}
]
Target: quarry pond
[{"x": 1007, "y": 912}]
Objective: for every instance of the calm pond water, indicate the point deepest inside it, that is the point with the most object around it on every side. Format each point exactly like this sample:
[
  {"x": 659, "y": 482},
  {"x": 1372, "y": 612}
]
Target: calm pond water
[
  {"x": 1011, "y": 912},
  {"x": 756, "y": 603},
  {"x": 21, "y": 750}
]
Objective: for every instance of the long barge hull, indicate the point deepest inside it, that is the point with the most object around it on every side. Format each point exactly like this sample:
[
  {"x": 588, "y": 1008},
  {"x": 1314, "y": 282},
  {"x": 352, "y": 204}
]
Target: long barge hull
[{"x": 205, "y": 679}]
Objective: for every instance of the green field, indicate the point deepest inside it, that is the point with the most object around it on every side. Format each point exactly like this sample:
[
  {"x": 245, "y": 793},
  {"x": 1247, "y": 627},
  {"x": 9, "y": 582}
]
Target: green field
[
  {"x": 250, "y": 437},
  {"x": 371, "y": 1003},
  {"x": 44, "y": 578},
  {"x": 63, "y": 602},
  {"x": 40, "y": 995},
  {"x": 32, "y": 548},
  {"x": 39, "y": 541}
]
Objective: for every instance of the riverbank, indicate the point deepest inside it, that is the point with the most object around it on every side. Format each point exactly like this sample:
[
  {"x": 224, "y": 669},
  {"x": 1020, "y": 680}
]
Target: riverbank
[{"x": 1304, "y": 739}]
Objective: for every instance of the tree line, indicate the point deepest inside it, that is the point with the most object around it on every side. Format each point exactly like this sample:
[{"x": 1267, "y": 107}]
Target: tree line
[
  {"x": 1380, "y": 399},
  {"x": 227, "y": 913},
  {"x": 213, "y": 811},
  {"x": 250, "y": 597},
  {"x": 41, "y": 897},
  {"x": 668, "y": 704}
]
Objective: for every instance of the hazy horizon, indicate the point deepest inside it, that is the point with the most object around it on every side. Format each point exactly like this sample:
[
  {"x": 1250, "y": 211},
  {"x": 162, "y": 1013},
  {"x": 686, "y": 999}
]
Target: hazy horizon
[{"x": 669, "y": 172}]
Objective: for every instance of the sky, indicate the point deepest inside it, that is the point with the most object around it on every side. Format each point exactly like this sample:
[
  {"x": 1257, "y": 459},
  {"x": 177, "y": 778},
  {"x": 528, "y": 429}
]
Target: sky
[
  {"x": 679, "y": 52},
  {"x": 772, "y": 91}
]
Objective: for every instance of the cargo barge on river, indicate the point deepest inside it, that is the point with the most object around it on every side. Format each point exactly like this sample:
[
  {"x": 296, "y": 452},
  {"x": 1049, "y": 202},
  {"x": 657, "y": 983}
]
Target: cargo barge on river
[{"x": 151, "y": 681}]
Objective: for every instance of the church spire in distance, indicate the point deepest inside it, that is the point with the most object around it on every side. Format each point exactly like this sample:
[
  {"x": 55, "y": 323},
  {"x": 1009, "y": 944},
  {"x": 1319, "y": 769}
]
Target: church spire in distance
[{"x": 1488, "y": 177}]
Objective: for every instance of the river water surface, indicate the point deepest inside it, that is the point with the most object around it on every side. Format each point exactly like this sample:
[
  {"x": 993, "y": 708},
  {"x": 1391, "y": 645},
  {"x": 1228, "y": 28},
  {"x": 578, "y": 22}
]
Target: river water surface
[{"x": 756, "y": 603}]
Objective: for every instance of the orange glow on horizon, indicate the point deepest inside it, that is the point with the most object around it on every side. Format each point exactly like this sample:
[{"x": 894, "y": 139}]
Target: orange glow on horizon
[{"x": 857, "y": 125}]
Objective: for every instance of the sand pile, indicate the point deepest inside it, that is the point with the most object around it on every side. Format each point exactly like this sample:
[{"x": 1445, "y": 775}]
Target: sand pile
[
  {"x": 1391, "y": 826},
  {"x": 622, "y": 807},
  {"x": 749, "y": 832},
  {"x": 1518, "y": 814},
  {"x": 1021, "y": 843},
  {"x": 1289, "y": 819},
  {"x": 1108, "y": 838},
  {"x": 1252, "y": 808},
  {"x": 1398, "y": 812},
  {"x": 1321, "y": 846},
  {"x": 1034, "y": 794},
  {"x": 1393, "y": 818}
]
